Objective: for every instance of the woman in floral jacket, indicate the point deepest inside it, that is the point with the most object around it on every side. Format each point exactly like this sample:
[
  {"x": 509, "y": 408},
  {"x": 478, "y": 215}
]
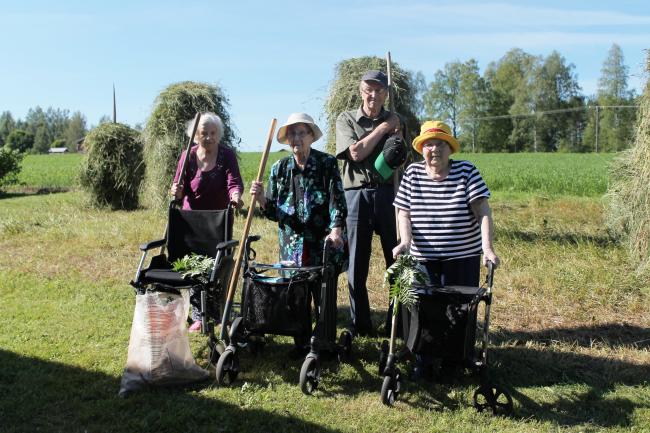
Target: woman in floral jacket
[{"x": 305, "y": 196}]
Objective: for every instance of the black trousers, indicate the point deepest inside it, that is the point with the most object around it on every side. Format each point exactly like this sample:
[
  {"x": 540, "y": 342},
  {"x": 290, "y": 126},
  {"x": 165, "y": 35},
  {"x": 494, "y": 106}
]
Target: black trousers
[
  {"x": 459, "y": 272},
  {"x": 370, "y": 211}
]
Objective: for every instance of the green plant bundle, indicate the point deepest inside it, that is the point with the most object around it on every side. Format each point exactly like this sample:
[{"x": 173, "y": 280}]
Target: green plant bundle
[
  {"x": 195, "y": 266},
  {"x": 400, "y": 277}
]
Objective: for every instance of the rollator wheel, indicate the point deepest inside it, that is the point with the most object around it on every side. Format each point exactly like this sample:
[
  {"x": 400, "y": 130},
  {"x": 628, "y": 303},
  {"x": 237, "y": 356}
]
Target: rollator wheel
[
  {"x": 398, "y": 381},
  {"x": 216, "y": 349},
  {"x": 493, "y": 397},
  {"x": 214, "y": 356},
  {"x": 388, "y": 390},
  {"x": 227, "y": 367},
  {"x": 345, "y": 343},
  {"x": 383, "y": 356},
  {"x": 309, "y": 375}
]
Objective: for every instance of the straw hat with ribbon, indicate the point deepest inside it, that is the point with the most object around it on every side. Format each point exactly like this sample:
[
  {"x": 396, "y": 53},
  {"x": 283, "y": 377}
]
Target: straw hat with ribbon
[
  {"x": 298, "y": 118},
  {"x": 434, "y": 129}
]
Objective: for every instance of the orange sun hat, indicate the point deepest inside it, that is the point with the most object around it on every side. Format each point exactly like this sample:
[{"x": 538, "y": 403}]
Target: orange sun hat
[{"x": 434, "y": 129}]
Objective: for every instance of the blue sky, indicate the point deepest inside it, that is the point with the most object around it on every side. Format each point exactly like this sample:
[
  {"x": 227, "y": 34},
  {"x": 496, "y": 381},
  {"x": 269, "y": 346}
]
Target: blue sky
[{"x": 273, "y": 58}]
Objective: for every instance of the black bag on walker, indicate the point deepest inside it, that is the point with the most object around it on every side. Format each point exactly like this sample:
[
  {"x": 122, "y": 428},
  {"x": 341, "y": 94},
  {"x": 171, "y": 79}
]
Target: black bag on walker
[
  {"x": 278, "y": 305},
  {"x": 443, "y": 325}
]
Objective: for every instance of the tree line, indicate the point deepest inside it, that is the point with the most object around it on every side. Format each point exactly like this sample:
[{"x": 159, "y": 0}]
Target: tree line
[
  {"x": 42, "y": 130},
  {"x": 532, "y": 103}
]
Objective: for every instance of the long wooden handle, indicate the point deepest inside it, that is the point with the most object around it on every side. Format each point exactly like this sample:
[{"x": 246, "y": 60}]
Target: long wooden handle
[
  {"x": 249, "y": 218},
  {"x": 181, "y": 179},
  {"x": 391, "y": 107}
]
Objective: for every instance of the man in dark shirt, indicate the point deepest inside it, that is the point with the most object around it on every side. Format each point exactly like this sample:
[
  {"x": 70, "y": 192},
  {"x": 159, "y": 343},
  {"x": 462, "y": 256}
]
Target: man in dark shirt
[{"x": 360, "y": 137}]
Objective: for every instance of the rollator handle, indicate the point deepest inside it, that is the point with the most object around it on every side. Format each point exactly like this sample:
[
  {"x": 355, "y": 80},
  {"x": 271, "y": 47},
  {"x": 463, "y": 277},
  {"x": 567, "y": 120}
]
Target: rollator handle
[
  {"x": 327, "y": 245},
  {"x": 490, "y": 275}
]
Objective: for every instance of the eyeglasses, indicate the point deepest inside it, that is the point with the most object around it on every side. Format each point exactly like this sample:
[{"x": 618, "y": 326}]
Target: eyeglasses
[
  {"x": 369, "y": 90},
  {"x": 434, "y": 143},
  {"x": 298, "y": 134}
]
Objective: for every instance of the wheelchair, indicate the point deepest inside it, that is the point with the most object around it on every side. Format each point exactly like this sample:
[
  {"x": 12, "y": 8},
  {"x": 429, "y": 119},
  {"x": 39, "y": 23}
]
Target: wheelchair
[
  {"x": 444, "y": 325},
  {"x": 276, "y": 299},
  {"x": 204, "y": 232}
]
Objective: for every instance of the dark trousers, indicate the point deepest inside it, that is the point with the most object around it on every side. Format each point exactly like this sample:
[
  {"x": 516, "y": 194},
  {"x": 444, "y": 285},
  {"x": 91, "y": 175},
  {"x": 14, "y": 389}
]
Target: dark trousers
[
  {"x": 458, "y": 272},
  {"x": 370, "y": 210}
]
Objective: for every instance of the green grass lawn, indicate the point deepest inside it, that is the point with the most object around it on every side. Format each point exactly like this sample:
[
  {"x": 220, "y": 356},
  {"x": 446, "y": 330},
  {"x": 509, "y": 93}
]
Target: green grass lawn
[{"x": 570, "y": 340}]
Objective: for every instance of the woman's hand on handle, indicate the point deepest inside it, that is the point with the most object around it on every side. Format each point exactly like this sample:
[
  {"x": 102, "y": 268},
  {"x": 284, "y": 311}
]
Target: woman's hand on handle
[
  {"x": 335, "y": 237},
  {"x": 257, "y": 192},
  {"x": 176, "y": 192},
  {"x": 489, "y": 255},
  {"x": 236, "y": 201}
]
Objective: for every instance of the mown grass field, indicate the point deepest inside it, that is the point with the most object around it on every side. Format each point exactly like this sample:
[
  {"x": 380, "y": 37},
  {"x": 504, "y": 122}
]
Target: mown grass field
[{"x": 570, "y": 323}]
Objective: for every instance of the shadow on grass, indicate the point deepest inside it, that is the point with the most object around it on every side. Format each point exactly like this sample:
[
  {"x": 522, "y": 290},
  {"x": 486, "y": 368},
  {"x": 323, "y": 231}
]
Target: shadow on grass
[
  {"x": 611, "y": 335},
  {"x": 275, "y": 357},
  {"x": 39, "y": 395},
  {"x": 600, "y": 240},
  {"x": 570, "y": 388},
  {"x": 549, "y": 381},
  {"x": 24, "y": 192},
  {"x": 576, "y": 388}
]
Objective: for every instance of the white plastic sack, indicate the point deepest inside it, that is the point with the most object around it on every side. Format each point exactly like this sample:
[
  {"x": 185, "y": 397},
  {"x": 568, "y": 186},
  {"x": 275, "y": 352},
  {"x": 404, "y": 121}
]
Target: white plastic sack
[{"x": 159, "y": 348}]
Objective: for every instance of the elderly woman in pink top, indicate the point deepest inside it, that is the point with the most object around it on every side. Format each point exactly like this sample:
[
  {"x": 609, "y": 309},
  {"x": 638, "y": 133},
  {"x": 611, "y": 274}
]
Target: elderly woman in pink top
[{"x": 211, "y": 179}]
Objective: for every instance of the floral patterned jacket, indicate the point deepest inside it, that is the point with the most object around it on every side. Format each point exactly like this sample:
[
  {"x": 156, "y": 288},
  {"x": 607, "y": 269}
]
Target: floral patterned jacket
[{"x": 306, "y": 204}]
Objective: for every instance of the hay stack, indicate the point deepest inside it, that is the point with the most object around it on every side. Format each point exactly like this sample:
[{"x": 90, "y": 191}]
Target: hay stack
[
  {"x": 165, "y": 138},
  {"x": 113, "y": 168},
  {"x": 629, "y": 191},
  {"x": 344, "y": 93}
]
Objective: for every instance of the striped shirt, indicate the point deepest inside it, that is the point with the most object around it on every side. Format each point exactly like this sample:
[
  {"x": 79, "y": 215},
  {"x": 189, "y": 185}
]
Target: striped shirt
[{"x": 442, "y": 223}]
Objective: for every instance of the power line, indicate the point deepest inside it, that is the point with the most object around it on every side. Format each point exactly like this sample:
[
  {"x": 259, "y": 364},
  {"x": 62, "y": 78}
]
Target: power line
[{"x": 539, "y": 113}]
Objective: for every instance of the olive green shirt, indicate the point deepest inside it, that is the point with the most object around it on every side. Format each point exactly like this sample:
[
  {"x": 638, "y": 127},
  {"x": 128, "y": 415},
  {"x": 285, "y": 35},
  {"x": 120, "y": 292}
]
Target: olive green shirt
[{"x": 352, "y": 126}]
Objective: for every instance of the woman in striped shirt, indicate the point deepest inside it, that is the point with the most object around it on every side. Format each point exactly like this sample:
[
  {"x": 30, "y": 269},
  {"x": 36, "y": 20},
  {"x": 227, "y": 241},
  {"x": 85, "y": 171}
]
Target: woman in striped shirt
[
  {"x": 444, "y": 216},
  {"x": 445, "y": 222}
]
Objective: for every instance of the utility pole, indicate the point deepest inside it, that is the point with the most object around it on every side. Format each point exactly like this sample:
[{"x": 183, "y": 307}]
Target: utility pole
[
  {"x": 597, "y": 117},
  {"x": 474, "y": 136}
]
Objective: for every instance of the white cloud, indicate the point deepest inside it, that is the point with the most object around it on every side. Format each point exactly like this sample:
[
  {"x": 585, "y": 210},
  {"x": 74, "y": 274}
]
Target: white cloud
[
  {"x": 527, "y": 39},
  {"x": 495, "y": 15}
]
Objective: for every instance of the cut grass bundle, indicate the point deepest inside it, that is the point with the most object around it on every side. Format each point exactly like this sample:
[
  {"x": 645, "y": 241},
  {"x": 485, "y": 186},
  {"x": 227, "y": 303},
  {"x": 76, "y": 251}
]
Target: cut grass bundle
[
  {"x": 113, "y": 169},
  {"x": 629, "y": 193},
  {"x": 165, "y": 137},
  {"x": 344, "y": 93}
]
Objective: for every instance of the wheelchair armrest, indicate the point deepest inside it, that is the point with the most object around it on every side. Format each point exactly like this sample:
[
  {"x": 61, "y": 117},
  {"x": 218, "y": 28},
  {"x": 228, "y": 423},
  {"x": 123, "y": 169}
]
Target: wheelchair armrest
[
  {"x": 227, "y": 244},
  {"x": 153, "y": 244}
]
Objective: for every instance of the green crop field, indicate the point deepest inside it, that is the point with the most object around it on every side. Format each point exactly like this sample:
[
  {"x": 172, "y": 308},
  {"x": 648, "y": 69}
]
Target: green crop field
[
  {"x": 50, "y": 171},
  {"x": 570, "y": 326},
  {"x": 583, "y": 174},
  {"x": 543, "y": 173}
]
